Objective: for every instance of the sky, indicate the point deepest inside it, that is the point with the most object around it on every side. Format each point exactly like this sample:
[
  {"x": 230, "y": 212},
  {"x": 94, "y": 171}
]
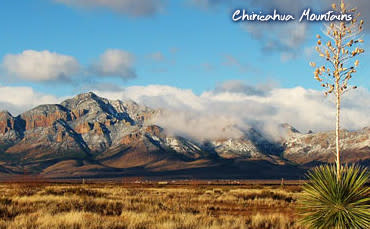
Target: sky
[{"x": 145, "y": 49}]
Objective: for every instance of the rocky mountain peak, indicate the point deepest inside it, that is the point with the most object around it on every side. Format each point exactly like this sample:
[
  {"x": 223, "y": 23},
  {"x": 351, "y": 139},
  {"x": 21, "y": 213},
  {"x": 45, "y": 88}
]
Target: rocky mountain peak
[
  {"x": 85, "y": 101},
  {"x": 89, "y": 107},
  {"x": 86, "y": 95}
]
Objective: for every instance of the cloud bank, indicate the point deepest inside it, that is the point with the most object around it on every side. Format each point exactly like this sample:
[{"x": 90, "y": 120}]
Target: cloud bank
[
  {"x": 231, "y": 109},
  {"x": 226, "y": 111}
]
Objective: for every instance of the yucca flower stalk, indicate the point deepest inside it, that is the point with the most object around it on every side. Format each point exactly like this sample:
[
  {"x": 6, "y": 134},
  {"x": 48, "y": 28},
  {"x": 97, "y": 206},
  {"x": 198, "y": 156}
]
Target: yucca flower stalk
[
  {"x": 339, "y": 52},
  {"x": 336, "y": 196},
  {"x": 331, "y": 204}
]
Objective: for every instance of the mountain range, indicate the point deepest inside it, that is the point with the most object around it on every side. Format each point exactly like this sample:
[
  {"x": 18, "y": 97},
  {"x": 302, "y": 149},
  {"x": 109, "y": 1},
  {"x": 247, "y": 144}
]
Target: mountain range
[{"x": 92, "y": 137}]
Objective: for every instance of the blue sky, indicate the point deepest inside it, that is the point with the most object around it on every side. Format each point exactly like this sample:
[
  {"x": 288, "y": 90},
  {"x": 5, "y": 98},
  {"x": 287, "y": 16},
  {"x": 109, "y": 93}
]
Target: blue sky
[
  {"x": 185, "y": 56},
  {"x": 184, "y": 44}
]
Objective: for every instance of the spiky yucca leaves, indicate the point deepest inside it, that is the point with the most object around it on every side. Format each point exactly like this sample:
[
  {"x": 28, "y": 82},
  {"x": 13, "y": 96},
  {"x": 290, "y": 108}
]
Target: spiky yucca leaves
[{"x": 332, "y": 204}]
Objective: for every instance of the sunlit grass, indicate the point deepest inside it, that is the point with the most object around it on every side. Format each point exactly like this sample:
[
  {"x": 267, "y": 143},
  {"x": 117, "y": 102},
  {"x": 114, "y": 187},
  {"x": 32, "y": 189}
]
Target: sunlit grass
[{"x": 167, "y": 207}]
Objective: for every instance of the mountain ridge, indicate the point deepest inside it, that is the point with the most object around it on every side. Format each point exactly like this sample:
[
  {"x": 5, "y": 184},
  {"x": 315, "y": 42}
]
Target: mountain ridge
[{"x": 90, "y": 136}]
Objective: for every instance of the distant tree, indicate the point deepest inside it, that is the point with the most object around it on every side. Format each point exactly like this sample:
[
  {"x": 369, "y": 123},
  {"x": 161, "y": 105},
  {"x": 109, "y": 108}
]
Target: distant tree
[{"x": 339, "y": 52}]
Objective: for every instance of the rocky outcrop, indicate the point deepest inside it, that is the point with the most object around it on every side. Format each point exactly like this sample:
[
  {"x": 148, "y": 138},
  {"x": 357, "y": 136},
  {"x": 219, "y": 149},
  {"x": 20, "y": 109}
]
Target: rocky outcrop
[
  {"x": 11, "y": 130},
  {"x": 7, "y": 122},
  {"x": 45, "y": 116},
  {"x": 56, "y": 142}
]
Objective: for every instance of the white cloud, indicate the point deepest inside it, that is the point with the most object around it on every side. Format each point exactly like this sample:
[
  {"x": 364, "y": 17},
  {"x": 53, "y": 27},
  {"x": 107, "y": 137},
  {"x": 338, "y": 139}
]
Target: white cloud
[
  {"x": 129, "y": 7},
  {"x": 158, "y": 96},
  {"x": 40, "y": 66},
  {"x": 115, "y": 63},
  {"x": 19, "y": 99},
  {"x": 227, "y": 113}
]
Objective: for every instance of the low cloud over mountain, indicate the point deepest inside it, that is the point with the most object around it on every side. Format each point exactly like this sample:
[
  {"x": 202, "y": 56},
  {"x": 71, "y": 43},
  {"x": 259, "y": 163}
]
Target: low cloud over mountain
[
  {"x": 230, "y": 108},
  {"x": 225, "y": 111}
]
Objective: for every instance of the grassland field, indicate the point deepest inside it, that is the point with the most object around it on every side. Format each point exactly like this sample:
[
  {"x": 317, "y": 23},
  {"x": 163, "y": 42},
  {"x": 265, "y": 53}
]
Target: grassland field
[{"x": 150, "y": 205}]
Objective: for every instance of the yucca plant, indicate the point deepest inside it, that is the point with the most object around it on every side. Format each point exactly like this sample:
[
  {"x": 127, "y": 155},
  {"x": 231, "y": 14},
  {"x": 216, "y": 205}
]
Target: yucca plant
[
  {"x": 339, "y": 51},
  {"x": 336, "y": 196},
  {"x": 327, "y": 203}
]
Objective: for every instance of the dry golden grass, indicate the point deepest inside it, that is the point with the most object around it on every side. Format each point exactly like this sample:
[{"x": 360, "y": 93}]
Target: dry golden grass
[{"x": 146, "y": 206}]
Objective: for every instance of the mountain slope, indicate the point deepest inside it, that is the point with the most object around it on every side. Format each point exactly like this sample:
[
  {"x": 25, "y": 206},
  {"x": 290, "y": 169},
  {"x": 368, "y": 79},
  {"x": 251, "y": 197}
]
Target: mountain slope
[{"x": 320, "y": 147}]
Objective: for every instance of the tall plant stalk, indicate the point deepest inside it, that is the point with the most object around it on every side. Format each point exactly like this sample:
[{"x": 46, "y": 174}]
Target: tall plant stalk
[
  {"x": 345, "y": 36},
  {"x": 337, "y": 136}
]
